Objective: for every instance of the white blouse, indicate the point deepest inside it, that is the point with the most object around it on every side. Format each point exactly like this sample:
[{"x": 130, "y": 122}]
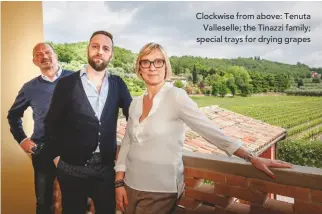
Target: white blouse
[{"x": 151, "y": 150}]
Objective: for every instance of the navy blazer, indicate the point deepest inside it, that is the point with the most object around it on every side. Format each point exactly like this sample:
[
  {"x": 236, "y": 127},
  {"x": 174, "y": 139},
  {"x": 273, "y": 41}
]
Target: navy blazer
[{"x": 73, "y": 131}]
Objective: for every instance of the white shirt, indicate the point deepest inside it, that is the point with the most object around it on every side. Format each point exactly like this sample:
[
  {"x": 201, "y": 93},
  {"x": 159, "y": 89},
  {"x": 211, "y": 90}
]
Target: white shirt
[
  {"x": 96, "y": 98},
  {"x": 151, "y": 151}
]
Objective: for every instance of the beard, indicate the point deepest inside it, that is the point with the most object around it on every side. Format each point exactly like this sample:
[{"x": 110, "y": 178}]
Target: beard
[{"x": 98, "y": 66}]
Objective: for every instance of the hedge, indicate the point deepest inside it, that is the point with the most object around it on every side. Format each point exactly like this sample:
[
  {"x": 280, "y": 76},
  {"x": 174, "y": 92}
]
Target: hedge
[
  {"x": 301, "y": 152},
  {"x": 316, "y": 92}
]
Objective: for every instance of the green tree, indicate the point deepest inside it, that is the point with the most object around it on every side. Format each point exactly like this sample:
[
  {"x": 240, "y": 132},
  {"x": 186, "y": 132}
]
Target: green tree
[
  {"x": 232, "y": 86},
  {"x": 300, "y": 83},
  {"x": 215, "y": 88},
  {"x": 222, "y": 89},
  {"x": 64, "y": 53},
  {"x": 242, "y": 79},
  {"x": 282, "y": 82},
  {"x": 210, "y": 79},
  {"x": 194, "y": 75},
  {"x": 117, "y": 63}
]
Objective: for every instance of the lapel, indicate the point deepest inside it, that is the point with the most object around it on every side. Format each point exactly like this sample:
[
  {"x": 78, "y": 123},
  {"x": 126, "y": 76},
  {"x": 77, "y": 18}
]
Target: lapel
[
  {"x": 84, "y": 96},
  {"x": 111, "y": 90}
]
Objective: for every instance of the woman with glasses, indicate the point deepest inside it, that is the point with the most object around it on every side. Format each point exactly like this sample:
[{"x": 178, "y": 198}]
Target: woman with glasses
[{"x": 149, "y": 169}]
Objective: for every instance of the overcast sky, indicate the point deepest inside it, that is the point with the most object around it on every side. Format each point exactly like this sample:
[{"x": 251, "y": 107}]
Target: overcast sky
[{"x": 175, "y": 26}]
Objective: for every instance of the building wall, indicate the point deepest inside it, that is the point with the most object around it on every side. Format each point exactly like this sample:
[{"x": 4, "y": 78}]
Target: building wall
[
  {"x": 269, "y": 153},
  {"x": 21, "y": 29}
]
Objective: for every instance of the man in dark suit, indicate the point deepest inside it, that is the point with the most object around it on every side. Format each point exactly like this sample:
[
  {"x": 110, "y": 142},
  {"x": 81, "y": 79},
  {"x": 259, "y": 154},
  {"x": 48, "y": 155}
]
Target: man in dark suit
[
  {"x": 37, "y": 94},
  {"x": 81, "y": 127}
]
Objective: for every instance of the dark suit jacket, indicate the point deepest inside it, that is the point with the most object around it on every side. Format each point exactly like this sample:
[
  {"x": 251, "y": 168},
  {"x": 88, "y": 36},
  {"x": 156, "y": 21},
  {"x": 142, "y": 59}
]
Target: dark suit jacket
[{"x": 73, "y": 131}]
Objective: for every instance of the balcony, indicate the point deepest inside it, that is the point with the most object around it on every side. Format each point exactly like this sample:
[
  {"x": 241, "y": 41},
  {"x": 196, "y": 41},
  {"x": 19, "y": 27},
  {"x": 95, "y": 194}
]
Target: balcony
[{"x": 236, "y": 187}]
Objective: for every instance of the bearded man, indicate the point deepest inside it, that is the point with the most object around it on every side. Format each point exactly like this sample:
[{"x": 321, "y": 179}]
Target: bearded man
[{"x": 81, "y": 127}]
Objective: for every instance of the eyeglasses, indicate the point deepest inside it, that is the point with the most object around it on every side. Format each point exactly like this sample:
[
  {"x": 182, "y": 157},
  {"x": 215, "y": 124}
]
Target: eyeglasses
[{"x": 158, "y": 63}]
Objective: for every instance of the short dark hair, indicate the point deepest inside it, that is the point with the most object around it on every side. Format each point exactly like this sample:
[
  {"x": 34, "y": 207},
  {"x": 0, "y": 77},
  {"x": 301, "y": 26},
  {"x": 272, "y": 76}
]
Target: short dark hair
[{"x": 103, "y": 32}]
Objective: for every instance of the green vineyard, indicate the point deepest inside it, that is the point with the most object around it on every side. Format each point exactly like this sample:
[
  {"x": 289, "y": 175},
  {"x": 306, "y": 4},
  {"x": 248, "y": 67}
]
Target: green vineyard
[{"x": 301, "y": 116}]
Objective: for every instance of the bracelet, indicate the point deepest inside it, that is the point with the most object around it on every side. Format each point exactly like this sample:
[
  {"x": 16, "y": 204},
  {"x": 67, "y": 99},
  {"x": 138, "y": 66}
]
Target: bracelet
[
  {"x": 119, "y": 183},
  {"x": 248, "y": 157}
]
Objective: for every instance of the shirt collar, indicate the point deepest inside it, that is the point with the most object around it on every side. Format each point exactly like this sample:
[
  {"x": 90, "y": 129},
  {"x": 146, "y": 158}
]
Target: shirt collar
[
  {"x": 56, "y": 76},
  {"x": 156, "y": 99},
  {"x": 83, "y": 72}
]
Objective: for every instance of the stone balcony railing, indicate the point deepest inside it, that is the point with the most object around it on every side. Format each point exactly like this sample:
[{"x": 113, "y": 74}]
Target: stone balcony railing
[{"x": 236, "y": 187}]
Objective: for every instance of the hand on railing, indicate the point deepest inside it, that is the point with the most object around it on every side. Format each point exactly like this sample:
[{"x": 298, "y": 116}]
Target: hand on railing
[{"x": 263, "y": 164}]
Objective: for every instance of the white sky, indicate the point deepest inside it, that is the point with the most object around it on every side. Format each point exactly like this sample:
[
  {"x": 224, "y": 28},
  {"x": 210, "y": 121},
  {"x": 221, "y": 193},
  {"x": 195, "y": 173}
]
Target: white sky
[{"x": 175, "y": 26}]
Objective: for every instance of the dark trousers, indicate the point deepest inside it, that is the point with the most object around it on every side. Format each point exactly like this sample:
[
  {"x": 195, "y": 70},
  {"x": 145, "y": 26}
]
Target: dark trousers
[
  {"x": 44, "y": 175},
  {"x": 79, "y": 182}
]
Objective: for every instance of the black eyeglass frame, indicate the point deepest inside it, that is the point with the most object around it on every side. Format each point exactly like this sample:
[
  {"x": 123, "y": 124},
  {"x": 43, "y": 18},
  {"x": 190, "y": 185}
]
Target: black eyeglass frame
[{"x": 150, "y": 62}]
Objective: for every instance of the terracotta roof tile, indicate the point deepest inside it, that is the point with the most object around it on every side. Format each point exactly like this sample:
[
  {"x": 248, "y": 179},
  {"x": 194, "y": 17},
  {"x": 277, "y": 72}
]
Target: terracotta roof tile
[{"x": 255, "y": 134}]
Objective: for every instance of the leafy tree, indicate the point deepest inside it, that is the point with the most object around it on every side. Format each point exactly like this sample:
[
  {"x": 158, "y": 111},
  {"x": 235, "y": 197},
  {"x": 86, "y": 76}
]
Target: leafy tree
[
  {"x": 245, "y": 89},
  {"x": 194, "y": 75},
  {"x": 251, "y": 75},
  {"x": 242, "y": 79},
  {"x": 215, "y": 88},
  {"x": 64, "y": 54},
  {"x": 232, "y": 86},
  {"x": 282, "y": 82},
  {"x": 222, "y": 89},
  {"x": 117, "y": 63},
  {"x": 209, "y": 80},
  {"x": 300, "y": 83}
]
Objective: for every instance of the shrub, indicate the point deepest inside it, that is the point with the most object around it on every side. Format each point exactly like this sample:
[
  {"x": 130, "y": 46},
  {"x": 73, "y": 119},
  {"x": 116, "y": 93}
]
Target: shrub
[
  {"x": 188, "y": 89},
  {"x": 301, "y": 152},
  {"x": 300, "y": 83},
  {"x": 178, "y": 84},
  {"x": 206, "y": 90},
  {"x": 306, "y": 92}
]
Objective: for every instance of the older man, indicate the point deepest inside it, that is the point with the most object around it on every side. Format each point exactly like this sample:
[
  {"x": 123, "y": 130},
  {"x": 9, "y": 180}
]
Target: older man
[{"x": 37, "y": 94}]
